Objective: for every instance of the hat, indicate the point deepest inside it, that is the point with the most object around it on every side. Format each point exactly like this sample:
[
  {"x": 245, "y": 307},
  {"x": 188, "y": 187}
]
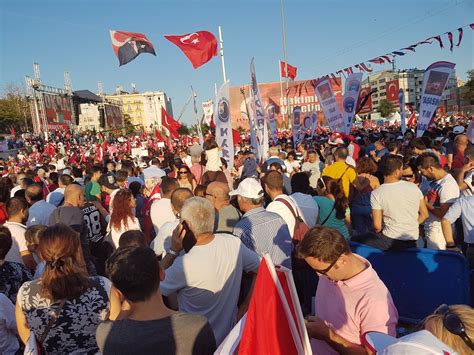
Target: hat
[
  {"x": 458, "y": 129},
  {"x": 249, "y": 188},
  {"x": 418, "y": 343},
  {"x": 108, "y": 181},
  {"x": 153, "y": 172}
]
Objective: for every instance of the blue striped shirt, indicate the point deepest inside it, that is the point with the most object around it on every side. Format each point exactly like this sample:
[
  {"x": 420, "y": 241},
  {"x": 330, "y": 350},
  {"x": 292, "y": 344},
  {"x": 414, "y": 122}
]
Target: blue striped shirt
[{"x": 266, "y": 232}]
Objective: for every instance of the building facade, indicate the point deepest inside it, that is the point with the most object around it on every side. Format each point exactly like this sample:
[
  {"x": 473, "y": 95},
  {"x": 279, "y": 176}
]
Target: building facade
[{"x": 144, "y": 108}]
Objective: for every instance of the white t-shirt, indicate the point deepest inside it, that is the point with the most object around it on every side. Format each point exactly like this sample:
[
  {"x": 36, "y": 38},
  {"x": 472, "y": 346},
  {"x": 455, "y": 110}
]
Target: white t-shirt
[
  {"x": 160, "y": 213},
  {"x": 18, "y": 242},
  {"x": 400, "y": 203},
  {"x": 468, "y": 180},
  {"x": 133, "y": 224},
  {"x": 308, "y": 206},
  {"x": 207, "y": 280},
  {"x": 8, "y": 340},
  {"x": 162, "y": 242},
  {"x": 315, "y": 170},
  {"x": 284, "y": 212}
]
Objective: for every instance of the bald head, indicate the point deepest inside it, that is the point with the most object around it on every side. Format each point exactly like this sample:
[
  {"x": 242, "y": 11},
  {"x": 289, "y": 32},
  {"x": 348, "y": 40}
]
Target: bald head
[
  {"x": 179, "y": 196},
  {"x": 461, "y": 140},
  {"x": 74, "y": 195},
  {"x": 218, "y": 194}
]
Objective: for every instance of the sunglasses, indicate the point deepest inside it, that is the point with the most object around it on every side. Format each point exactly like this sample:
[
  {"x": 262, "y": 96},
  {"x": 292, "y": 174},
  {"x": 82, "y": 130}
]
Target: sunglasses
[
  {"x": 183, "y": 172},
  {"x": 326, "y": 270},
  {"x": 454, "y": 324},
  {"x": 408, "y": 176}
]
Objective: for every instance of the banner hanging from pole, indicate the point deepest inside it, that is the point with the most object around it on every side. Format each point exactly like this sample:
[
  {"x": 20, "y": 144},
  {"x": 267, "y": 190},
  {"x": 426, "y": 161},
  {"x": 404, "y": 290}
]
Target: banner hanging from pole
[
  {"x": 401, "y": 102},
  {"x": 296, "y": 125},
  {"x": 314, "y": 118},
  {"x": 259, "y": 111},
  {"x": 329, "y": 105},
  {"x": 272, "y": 123},
  {"x": 208, "y": 109},
  {"x": 435, "y": 79},
  {"x": 224, "y": 136},
  {"x": 349, "y": 100}
]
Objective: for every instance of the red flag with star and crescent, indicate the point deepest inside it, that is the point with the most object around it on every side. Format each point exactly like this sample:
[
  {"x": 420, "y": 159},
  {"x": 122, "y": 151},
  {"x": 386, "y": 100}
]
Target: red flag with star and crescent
[
  {"x": 199, "y": 46},
  {"x": 170, "y": 123},
  {"x": 128, "y": 45}
]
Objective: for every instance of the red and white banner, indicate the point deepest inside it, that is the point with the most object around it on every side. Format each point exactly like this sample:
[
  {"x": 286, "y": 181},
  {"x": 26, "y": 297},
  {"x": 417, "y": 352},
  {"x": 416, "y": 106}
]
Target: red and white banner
[
  {"x": 349, "y": 100},
  {"x": 58, "y": 111},
  {"x": 435, "y": 79},
  {"x": 367, "y": 108},
  {"x": 208, "y": 109},
  {"x": 224, "y": 137},
  {"x": 391, "y": 91},
  {"x": 329, "y": 105},
  {"x": 274, "y": 323},
  {"x": 199, "y": 46},
  {"x": 128, "y": 45},
  {"x": 291, "y": 70},
  {"x": 401, "y": 102}
]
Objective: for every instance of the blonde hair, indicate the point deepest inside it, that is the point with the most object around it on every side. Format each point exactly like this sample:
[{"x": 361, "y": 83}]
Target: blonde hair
[{"x": 434, "y": 324}]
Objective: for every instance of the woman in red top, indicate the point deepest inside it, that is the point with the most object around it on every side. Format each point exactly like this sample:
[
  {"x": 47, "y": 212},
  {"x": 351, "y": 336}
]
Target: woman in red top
[{"x": 4, "y": 197}]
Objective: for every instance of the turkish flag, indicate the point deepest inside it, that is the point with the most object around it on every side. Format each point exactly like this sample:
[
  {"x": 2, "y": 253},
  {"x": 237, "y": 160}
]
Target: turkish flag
[
  {"x": 158, "y": 136},
  {"x": 412, "y": 119},
  {"x": 291, "y": 70},
  {"x": 199, "y": 46},
  {"x": 364, "y": 102},
  {"x": 170, "y": 123},
  {"x": 391, "y": 88},
  {"x": 236, "y": 138},
  {"x": 128, "y": 45}
]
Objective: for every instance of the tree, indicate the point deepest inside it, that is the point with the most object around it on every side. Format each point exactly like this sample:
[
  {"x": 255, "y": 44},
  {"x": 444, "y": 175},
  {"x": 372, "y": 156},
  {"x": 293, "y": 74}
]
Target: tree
[
  {"x": 468, "y": 95},
  {"x": 14, "y": 109},
  {"x": 127, "y": 122},
  {"x": 183, "y": 130},
  {"x": 386, "y": 108}
]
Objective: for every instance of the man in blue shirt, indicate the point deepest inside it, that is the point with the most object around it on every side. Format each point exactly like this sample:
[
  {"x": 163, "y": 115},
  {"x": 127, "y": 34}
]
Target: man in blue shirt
[{"x": 260, "y": 230}]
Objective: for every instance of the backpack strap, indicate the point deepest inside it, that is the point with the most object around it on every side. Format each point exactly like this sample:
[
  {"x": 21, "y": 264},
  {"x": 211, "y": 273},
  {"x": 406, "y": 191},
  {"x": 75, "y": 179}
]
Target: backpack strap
[{"x": 288, "y": 205}]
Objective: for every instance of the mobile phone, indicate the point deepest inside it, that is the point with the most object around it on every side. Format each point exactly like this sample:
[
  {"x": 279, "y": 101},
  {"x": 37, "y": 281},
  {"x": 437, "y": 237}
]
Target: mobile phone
[{"x": 189, "y": 239}]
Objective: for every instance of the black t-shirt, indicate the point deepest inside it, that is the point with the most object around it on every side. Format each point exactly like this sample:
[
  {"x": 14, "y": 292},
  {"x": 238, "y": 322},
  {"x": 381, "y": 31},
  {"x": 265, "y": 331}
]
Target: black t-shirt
[
  {"x": 180, "y": 334},
  {"x": 94, "y": 222}
]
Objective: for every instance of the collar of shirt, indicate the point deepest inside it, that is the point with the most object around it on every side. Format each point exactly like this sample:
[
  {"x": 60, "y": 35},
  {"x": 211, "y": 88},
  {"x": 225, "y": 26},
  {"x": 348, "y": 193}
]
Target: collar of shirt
[
  {"x": 14, "y": 224},
  {"x": 253, "y": 211},
  {"x": 361, "y": 278}
]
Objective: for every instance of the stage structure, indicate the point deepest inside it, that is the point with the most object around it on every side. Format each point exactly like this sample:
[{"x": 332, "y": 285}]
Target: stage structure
[{"x": 51, "y": 108}]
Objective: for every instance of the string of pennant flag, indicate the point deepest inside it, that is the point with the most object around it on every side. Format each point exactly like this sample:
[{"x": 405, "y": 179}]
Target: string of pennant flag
[{"x": 388, "y": 57}]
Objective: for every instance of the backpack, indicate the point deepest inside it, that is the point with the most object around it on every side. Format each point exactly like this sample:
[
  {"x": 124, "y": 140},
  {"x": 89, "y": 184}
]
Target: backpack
[{"x": 299, "y": 233}]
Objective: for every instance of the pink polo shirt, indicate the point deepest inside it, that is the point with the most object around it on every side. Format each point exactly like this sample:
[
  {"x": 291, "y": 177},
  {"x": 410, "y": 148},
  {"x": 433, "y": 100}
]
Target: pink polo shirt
[{"x": 353, "y": 307}]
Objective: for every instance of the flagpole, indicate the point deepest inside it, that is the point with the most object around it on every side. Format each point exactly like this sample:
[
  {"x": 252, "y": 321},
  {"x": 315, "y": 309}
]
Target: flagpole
[
  {"x": 281, "y": 90},
  {"x": 284, "y": 57},
  {"x": 221, "y": 46}
]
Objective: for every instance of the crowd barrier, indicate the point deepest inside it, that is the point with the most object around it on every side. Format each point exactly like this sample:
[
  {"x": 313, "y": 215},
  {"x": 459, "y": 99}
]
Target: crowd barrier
[{"x": 420, "y": 280}]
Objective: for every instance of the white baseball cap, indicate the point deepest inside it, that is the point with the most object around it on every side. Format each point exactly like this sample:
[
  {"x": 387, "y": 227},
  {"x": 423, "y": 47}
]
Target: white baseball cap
[
  {"x": 418, "y": 343},
  {"x": 249, "y": 187},
  {"x": 153, "y": 172}
]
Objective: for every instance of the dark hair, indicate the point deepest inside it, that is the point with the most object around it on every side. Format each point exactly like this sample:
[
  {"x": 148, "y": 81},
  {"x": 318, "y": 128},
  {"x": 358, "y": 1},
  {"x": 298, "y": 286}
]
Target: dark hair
[
  {"x": 168, "y": 185},
  {"x": 323, "y": 243},
  {"x": 4, "y": 190},
  {"x": 121, "y": 175},
  {"x": 300, "y": 183},
  {"x": 392, "y": 146},
  {"x": 96, "y": 169},
  {"x": 274, "y": 180},
  {"x": 390, "y": 163},
  {"x": 76, "y": 172},
  {"x": 15, "y": 205},
  {"x": 65, "y": 274},
  {"x": 135, "y": 187},
  {"x": 335, "y": 188},
  {"x": 366, "y": 165},
  {"x": 341, "y": 153},
  {"x": 131, "y": 238},
  {"x": 417, "y": 143},
  {"x": 428, "y": 160},
  {"x": 5, "y": 242},
  {"x": 54, "y": 177},
  {"x": 292, "y": 153},
  {"x": 66, "y": 179},
  {"x": 34, "y": 192},
  {"x": 135, "y": 272},
  {"x": 200, "y": 191}
]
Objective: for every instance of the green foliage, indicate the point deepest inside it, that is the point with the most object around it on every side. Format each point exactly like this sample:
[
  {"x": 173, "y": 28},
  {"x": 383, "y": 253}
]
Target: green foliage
[
  {"x": 468, "y": 95},
  {"x": 386, "y": 108},
  {"x": 183, "y": 130},
  {"x": 14, "y": 110}
]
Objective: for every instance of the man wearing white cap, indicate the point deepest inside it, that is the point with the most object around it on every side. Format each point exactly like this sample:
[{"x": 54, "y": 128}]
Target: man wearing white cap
[{"x": 260, "y": 230}]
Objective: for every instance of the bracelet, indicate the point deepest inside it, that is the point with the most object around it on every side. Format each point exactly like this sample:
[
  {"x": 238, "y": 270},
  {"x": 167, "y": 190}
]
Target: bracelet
[
  {"x": 174, "y": 253},
  {"x": 451, "y": 246}
]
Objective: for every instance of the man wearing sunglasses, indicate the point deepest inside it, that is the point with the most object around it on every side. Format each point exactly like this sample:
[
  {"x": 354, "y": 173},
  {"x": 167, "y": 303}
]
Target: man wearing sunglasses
[{"x": 350, "y": 299}]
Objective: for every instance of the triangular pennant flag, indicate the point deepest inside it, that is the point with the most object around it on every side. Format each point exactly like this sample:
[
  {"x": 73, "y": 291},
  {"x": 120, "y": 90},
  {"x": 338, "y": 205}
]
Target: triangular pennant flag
[
  {"x": 377, "y": 60},
  {"x": 472, "y": 26},
  {"x": 450, "y": 37},
  {"x": 199, "y": 46},
  {"x": 410, "y": 48},
  {"x": 440, "y": 41},
  {"x": 460, "y": 30},
  {"x": 398, "y": 53},
  {"x": 128, "y": 45}
]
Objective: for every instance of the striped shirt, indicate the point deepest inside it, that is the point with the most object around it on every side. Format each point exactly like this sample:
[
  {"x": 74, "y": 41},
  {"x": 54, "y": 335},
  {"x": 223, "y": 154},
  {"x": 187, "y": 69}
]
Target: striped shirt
[{"x": 266, "y": 232}]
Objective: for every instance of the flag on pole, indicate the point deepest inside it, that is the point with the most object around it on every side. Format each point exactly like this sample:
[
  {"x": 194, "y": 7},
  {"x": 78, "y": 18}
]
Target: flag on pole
[
  {"x": 412, "y": 121},
  {"x": 401, "y": 102},
  {"x": 296, "y": 124},
  {"x": 128, "y": 45},
  {"x": 272, "y": 122},
  {"x": 170, "y": 123},
  {"x": 199, "y": 46},
  {"x": 349, "y": 100},
  {"x": 224, "y": 137},
  {"x": 329, "y": 105},
  {"x": 274, "y": 323},
  {"x": 259, "y": 112},
  {"x": 435, "y": 79},
  {"x": 207, "y": 108},
  {"x": 291, "y": 70}
]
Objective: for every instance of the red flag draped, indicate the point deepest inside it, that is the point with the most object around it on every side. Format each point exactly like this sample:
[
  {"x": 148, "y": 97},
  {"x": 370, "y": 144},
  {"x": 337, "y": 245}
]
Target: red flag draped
[
  {"x": 291, "y": 70},
  {"x": 170, "y": 123},
  {"x": 199, "y": 46},
  {"x": 236, "y": 137}
]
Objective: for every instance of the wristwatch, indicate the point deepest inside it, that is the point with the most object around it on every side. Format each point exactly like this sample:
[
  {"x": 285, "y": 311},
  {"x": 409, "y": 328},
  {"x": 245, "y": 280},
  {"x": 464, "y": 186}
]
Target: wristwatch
[
  {"x": 174, "y": 253},
  {"x": 451, "y": 246}
]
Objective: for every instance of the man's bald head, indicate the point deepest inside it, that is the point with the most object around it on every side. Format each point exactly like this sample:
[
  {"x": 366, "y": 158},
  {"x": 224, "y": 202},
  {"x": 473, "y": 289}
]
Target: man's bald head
[
  {"x": 461, "y": 140},
  {"x": 74, "y": 195},
  {"x": 219, "y": 190},
  {"x": 179, "y": 196}
]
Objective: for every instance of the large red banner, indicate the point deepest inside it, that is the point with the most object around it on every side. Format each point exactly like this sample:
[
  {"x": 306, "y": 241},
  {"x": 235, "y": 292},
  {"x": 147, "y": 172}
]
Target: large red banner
[
  {"x": 300, "y": 93},
  {"x": 367, "y": 108},
  {"x": 113, "y": 116},
  {"x": 391, "y": 92},
  {"x": 58, "y": 111}
]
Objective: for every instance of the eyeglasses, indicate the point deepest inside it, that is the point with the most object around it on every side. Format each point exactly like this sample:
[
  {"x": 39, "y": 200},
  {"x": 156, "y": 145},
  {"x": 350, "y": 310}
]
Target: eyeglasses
[
  {"x": 183, "y": 172},
  {"x": 326, "y": 270},
  {"x": 454, "y": 324},
  {"x": 408, "y": 176},
  {"x": 207, "y": 194}
]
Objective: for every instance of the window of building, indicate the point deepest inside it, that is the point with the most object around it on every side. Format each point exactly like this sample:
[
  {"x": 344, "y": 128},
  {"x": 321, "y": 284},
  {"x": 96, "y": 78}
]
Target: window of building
[{"x": 381, "y": 81}]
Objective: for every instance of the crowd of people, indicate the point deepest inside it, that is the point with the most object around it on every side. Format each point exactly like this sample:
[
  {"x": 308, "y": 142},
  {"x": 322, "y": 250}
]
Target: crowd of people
[{"x": 105, "y": 251}]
